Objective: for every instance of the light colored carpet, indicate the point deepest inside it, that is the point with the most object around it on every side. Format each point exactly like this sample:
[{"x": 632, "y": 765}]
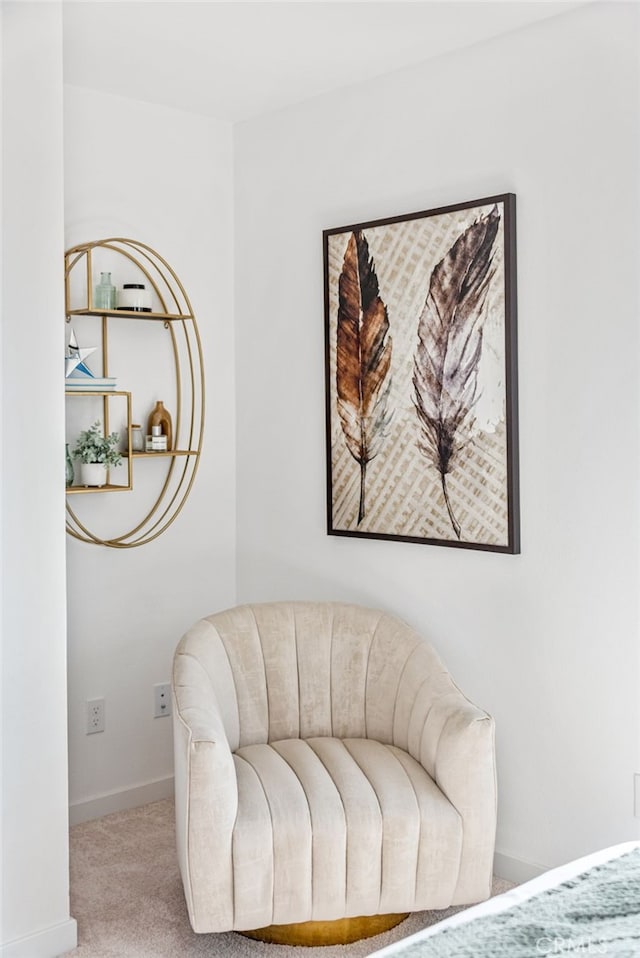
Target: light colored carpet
[{"x": 126, "y": 895}]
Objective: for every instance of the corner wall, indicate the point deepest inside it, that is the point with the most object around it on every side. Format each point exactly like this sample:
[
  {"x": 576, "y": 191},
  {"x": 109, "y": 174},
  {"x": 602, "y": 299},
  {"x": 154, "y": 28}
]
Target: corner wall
[
  {"x": 34, "y": 858},
  {"x": 546, "y": 641},
  {"x": 163, "y": 177}
]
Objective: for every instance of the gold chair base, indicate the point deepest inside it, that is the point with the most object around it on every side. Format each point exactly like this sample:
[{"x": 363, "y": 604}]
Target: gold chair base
[{"x": 344, "y": 931}]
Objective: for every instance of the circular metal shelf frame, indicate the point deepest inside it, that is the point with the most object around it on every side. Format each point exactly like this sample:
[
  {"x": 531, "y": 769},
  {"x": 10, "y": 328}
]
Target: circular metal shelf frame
[{"x": 176, "y": 314}]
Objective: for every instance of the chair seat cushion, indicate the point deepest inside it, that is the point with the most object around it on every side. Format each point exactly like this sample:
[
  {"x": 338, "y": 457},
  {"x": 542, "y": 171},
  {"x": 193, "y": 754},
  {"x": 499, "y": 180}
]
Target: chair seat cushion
[{"x": 329, "y": 828}]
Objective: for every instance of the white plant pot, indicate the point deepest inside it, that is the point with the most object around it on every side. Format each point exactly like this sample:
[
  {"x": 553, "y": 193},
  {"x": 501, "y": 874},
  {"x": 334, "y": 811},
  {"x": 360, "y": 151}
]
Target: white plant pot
[{"x": 93, "y": 474}]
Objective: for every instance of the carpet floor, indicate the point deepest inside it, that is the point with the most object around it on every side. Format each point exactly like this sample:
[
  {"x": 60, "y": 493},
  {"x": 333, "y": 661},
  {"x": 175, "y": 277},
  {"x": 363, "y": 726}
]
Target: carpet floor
[{"x": 126, "y": 895}]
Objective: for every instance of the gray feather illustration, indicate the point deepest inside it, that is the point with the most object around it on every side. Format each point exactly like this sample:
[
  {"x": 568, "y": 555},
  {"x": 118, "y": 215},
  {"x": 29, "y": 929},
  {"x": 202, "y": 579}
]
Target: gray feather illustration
[{"x": 447, "y": 357}]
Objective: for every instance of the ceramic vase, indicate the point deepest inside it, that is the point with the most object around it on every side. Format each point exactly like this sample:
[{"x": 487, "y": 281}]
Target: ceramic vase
[
  {"x": 68, "y": 467},
  {"x": 160, "y": 417}
]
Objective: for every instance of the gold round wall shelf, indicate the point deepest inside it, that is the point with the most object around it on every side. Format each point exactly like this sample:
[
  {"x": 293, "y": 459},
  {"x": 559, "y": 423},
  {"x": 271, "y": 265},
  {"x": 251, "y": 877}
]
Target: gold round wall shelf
[{"x": 172, "y": 471}]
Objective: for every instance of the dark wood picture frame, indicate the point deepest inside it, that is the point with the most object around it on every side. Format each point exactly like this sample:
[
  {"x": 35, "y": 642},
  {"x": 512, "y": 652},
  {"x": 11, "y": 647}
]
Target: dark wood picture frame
[{"x": 421, "y": 377}]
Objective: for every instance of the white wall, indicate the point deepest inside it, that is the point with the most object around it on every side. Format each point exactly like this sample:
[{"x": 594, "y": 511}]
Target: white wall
[
  {"x": 546, "y": 641},
  {"x": 35, "y": 885},
  {"x": 169, "y": 185}
]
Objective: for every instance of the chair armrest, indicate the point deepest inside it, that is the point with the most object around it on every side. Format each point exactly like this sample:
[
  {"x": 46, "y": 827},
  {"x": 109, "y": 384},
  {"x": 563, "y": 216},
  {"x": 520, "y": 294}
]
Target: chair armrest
[
  {"x": 459, "y": 739},
  {"x": 206, "y": 793},
  {"x": 203, "y": 722}
]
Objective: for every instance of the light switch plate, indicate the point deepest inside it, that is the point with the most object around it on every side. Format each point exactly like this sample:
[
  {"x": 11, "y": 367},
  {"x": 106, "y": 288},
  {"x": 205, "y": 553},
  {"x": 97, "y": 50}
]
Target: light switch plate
[{"x": 162, "y": 699}]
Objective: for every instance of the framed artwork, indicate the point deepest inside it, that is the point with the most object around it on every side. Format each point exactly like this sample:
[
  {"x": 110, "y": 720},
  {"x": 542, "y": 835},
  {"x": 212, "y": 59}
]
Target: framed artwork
[{"x": 421, "y": 377}]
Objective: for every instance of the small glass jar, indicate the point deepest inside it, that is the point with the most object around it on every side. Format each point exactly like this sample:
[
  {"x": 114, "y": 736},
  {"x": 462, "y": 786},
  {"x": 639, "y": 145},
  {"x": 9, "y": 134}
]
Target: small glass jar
[{"x": 137, "y": 439}]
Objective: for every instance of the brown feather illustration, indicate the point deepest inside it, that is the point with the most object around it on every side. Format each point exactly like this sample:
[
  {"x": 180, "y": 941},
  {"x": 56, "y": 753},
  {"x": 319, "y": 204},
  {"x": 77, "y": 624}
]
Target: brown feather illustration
[
  {"x": 363, "y": 358},
  {"x": 447, "y": 357}
]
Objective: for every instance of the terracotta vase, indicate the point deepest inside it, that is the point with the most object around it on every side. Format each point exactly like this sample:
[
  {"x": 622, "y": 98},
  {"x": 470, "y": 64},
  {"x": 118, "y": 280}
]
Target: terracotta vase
[{"x": 160, "y": 417}]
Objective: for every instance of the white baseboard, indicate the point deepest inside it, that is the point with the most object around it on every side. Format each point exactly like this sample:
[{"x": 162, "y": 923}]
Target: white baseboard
[
  {"x": 515, "y": 870},
  {"x": 48, "y": 943},
  {"x": 120, "y": 800}
]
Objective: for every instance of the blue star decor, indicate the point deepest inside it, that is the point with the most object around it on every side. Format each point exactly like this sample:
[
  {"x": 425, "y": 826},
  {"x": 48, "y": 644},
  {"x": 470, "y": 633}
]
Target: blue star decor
[{"x": 75, "y": 358}]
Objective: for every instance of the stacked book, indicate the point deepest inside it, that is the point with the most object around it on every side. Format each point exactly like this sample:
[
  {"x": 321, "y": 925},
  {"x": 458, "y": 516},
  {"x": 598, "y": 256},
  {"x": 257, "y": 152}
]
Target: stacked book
[{"x": 89, "y": 383}]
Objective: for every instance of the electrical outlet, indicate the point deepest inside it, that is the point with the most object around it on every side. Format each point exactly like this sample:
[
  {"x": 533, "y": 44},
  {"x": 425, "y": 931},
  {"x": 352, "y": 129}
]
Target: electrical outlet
[
  {"x": 95, "y": 716},
  {"x": 162, "y": 700},
  {"x": 636, "y": 795}
]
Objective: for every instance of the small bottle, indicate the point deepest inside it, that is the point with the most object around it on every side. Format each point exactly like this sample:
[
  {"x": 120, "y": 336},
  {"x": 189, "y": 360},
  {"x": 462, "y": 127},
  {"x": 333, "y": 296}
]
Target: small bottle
[
  {"x": 105, "y": 293},
  {"x": 160, "y": 417},
  {"x": 158, "y": 441}
]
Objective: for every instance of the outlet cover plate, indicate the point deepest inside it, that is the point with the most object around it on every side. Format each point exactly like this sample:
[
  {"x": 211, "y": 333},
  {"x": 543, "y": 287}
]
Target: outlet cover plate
[
  {"x": 162, "y": 699},
  {"x": 95, "y": 716}
]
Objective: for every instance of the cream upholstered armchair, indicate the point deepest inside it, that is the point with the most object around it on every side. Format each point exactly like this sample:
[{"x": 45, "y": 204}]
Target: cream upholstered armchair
[{"x": 326, "y": 767}]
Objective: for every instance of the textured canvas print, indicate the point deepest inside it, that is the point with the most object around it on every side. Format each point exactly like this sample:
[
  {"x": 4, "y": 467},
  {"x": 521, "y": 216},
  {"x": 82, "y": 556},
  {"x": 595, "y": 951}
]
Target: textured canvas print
[{"x": 420, "y": 320}]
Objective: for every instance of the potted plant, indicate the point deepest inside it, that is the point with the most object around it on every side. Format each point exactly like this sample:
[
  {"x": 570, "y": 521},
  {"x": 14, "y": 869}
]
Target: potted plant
[{"x": 96, "y": 454}]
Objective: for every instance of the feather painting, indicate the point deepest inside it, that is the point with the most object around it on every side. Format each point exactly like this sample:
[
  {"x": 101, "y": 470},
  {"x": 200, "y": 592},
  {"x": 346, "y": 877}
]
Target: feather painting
[
  {"x": 422, "y": 432},
  {"x": 447, "y": 358},
  {"x": 363, "y": 358}
]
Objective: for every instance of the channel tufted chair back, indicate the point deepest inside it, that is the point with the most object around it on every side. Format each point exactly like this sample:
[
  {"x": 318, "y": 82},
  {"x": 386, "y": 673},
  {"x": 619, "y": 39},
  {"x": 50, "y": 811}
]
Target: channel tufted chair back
[{"x": 327, "y": 767}]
